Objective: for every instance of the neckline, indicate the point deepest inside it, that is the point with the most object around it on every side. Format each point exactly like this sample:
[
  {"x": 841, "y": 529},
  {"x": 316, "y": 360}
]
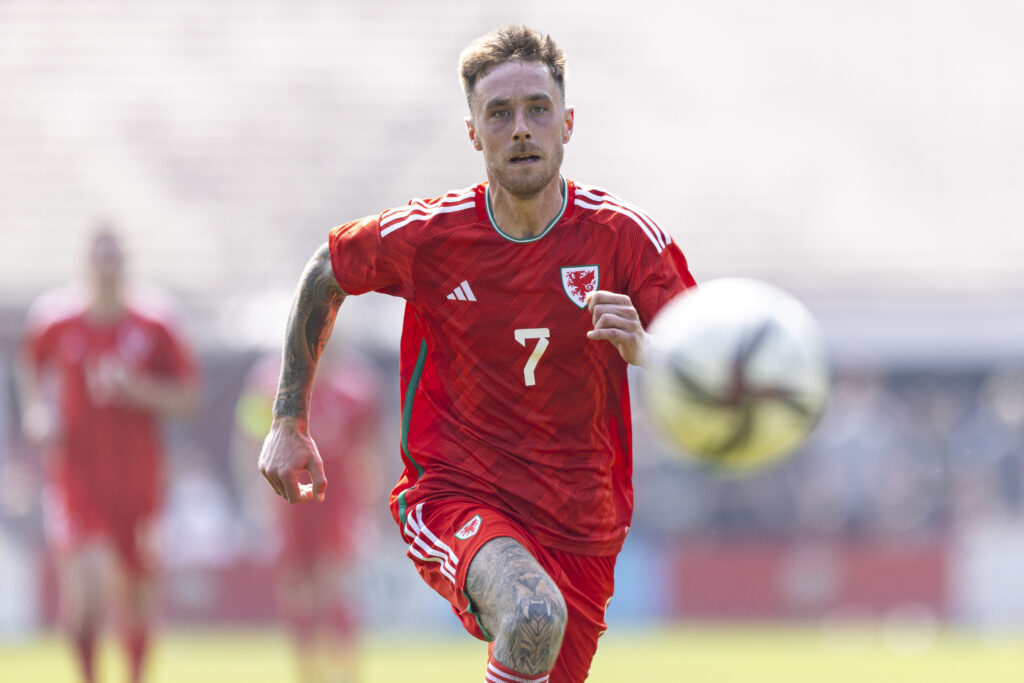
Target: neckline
[{"x": 523, "y": 240}]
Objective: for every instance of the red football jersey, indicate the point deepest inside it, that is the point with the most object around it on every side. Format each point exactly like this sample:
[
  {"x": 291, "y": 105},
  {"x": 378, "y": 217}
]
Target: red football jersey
[
  {"x": 505, "y": 400},
  {"x": 109, "y": 455}
]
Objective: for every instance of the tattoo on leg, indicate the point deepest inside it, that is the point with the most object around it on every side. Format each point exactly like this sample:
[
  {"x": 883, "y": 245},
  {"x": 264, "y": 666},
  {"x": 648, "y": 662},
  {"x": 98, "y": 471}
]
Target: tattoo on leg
[{"x": 519, "y": 604}]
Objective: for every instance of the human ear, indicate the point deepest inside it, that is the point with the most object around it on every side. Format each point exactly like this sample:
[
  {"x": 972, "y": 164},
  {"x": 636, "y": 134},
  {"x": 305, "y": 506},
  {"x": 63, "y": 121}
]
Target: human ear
[
  {"x": 472, "y": 134},
  {"x": 567, "y": 124}
]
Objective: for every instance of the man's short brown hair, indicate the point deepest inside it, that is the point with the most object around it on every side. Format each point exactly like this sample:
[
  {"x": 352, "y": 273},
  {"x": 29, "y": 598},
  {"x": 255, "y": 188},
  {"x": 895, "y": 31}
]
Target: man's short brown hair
[{"x": 510, "y": 43}]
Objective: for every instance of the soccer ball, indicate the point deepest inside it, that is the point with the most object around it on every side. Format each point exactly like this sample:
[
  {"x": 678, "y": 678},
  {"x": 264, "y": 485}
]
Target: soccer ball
[{"x": 737, "y": 374}]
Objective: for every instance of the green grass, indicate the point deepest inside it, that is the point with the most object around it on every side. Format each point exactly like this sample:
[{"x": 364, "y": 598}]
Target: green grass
[{"x": 693, "y": 655}]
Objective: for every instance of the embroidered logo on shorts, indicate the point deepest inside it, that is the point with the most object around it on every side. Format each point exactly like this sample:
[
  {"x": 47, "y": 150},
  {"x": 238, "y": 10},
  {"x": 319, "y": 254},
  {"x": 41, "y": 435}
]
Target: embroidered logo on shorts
[{"x": 469, "y": 528}]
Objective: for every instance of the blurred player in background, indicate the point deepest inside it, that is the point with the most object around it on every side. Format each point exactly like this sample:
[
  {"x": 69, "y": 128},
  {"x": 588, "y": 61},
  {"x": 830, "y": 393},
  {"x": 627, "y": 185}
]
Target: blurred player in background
[
  {"x": 526, "y": 299},
  {"x": 98, "y": 371},
  {"x": 317, "y": 545}
]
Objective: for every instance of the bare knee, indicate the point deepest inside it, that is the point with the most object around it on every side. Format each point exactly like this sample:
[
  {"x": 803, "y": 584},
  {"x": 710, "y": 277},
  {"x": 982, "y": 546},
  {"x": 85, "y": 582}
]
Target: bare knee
[
  {"x": 519, "y": 604},
  {"x": 85, "y": 587},
  {"x": 530, "y": 636}
]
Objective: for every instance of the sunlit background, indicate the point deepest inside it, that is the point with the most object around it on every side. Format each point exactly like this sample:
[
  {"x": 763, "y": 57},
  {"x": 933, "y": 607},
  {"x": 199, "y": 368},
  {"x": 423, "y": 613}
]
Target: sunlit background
[{"x": 867, "y": 156}]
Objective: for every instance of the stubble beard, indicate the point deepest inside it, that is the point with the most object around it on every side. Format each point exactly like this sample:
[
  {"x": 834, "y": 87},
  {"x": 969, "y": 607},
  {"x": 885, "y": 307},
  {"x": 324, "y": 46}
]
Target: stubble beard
[{"x": 527, "y": 186}]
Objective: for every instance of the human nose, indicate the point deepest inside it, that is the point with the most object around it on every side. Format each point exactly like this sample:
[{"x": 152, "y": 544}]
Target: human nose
[{"x": 521, "y": 131}]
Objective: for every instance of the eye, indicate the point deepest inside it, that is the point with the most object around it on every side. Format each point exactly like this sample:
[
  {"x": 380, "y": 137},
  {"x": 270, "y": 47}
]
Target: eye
[
  {"x": 500, "y": 114},
  {"x": 538, "y": 109}
]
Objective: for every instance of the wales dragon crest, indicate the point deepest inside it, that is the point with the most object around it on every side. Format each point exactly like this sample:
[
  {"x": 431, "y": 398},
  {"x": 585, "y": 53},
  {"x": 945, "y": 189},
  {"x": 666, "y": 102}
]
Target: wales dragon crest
[{"x": 578, "y": 281}]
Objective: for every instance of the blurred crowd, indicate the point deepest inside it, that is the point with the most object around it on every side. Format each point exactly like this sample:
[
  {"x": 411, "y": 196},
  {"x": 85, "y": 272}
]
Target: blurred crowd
[{"x": 896, "y": 452}]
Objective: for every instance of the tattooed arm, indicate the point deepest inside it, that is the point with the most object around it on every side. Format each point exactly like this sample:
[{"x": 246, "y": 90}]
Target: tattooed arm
[{"x": 288, "y": 449}]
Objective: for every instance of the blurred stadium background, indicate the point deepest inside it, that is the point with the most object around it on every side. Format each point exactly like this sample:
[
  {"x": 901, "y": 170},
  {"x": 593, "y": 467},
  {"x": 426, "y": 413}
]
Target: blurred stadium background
[{"x": 866, "y": 156}]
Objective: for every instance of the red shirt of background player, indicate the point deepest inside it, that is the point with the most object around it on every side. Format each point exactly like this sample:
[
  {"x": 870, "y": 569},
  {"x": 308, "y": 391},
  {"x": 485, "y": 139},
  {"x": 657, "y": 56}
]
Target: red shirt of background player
[{"x": 106, "y": 467}]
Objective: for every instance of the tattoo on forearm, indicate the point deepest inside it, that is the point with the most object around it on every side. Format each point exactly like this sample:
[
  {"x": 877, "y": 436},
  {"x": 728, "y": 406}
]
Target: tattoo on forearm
[
  {"x": 519, "y": 604},
  {"x": 314, "y": 309}
]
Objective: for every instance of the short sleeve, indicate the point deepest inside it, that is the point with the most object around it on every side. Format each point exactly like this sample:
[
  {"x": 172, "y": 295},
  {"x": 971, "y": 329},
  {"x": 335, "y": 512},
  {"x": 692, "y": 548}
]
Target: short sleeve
[
  {"x": 365, "y": 260},
  {"x": 47, "y": 317},
  {"x": 656, "y": 277},
  {"x": 172, "y": 357},
  {"x": 40, "y": 342}
]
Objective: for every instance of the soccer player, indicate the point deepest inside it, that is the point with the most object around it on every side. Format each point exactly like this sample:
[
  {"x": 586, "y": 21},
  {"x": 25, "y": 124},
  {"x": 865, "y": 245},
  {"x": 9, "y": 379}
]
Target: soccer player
[
  {"x": 526, "y": 298},
  {"x": 117, "y": 367},
  {"x": 317, "y": 546}
]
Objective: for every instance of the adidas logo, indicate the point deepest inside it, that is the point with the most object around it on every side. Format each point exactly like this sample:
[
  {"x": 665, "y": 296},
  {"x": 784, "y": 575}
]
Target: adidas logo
[{"x": 463, "y": 292}]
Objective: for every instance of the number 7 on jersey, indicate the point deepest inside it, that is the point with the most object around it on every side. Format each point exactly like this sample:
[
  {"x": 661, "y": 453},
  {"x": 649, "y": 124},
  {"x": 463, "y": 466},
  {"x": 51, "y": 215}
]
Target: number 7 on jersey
[{"x": 541, "y": 334}]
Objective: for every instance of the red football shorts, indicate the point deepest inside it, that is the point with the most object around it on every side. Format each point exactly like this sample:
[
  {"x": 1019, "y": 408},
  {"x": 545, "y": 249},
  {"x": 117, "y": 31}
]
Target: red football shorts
[
  {"x": 443, "y": 538},
  {"x": 131, "y": 534}
]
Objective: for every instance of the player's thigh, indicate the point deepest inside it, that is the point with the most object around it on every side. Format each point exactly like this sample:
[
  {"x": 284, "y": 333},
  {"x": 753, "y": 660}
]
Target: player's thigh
[
  {"x": 504, "y": 579},
  {"x": 135, "y": 555},
  {"x": 139, "y": 596},
  {"x": 89, "y": 576},
  {"x": 445, "y": 537}
]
